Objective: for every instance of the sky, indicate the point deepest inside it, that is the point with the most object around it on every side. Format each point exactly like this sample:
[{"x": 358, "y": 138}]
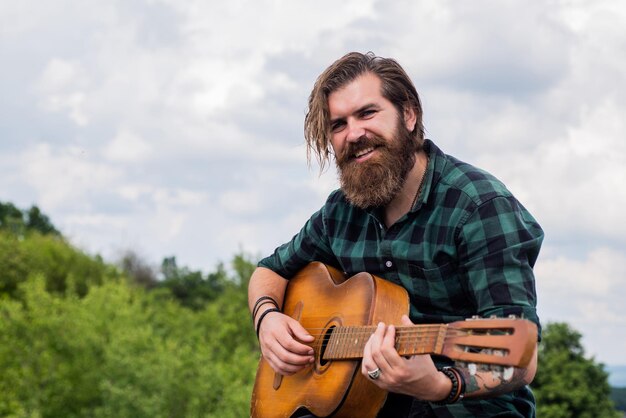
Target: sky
[{"x": 175, "y": 128}]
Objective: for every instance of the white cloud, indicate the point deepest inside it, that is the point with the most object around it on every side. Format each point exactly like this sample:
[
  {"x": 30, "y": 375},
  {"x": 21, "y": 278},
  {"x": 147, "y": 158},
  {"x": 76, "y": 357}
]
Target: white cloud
[
  {"x": 128, "y": 147},
  {"x": 587, "y": 292},
  {"x": 62, "y": 83},
  {"x": 64, "y": 177},
  {"x": 242, "y": 202},
  {"x": 60, "y": 74},
  {"x": 599, "y": 274}
]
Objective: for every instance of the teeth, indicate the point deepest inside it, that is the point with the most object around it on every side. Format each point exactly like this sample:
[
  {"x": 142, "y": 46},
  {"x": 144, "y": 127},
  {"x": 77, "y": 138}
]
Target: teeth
[{"x": 363, "y": 152}]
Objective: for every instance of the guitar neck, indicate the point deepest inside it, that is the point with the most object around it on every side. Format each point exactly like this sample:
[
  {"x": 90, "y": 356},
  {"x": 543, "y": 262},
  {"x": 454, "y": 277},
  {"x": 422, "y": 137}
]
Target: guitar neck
[{"x": 346, "y": 343}]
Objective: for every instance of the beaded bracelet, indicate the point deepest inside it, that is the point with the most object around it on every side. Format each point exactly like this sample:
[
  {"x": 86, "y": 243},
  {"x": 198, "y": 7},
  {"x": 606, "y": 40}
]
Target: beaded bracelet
[
  {"x": 458, "y": 386},
  {"x": 461, "y": 391},
  {"x": 258, "y": 304},
  {"x": 258, "y": 324}
]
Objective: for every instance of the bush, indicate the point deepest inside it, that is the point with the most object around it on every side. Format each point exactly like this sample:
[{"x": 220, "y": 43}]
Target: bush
[{"x": 121, "y": 351}]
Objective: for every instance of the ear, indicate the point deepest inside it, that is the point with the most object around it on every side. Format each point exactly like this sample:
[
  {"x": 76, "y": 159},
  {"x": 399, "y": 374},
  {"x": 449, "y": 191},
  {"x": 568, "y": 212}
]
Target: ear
[{"x": 410, "y": 118}]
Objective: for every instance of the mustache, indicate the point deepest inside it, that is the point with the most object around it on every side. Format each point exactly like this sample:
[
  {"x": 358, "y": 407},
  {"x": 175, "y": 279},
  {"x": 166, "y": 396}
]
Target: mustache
[{"x": 362, "y": 143}]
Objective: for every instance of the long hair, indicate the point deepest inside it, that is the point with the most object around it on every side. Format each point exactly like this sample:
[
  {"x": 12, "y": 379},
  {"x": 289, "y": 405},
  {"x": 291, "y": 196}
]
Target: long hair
[{"x": 397, "y": 87}]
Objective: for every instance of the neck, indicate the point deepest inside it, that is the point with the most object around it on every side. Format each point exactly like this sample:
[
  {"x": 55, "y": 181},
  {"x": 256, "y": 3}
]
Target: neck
[
  {"x": 348, "y": 342},
  {"x": 408, "y": 195}
]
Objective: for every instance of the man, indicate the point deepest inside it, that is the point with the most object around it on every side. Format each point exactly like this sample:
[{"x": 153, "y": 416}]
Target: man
[{"x": 452, "y": 235}]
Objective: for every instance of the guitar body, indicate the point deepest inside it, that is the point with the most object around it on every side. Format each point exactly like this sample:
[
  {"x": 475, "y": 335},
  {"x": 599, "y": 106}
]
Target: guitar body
[{"x": 320, "y": 298}]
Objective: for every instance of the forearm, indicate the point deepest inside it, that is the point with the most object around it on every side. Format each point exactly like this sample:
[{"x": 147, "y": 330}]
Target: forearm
[
  {"x": 487, "y": 383},
  {"x": 264, "y": 282},
  {"x": 285, "y": 344}
]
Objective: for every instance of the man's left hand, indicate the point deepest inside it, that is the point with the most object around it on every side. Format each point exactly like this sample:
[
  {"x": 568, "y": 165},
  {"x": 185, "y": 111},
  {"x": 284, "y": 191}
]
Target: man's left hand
[{"x": 416, "y": 375}]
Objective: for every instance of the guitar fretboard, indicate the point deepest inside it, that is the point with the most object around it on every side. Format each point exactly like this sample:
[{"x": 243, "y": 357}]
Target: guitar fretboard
[{"x": 347, "y": 343}]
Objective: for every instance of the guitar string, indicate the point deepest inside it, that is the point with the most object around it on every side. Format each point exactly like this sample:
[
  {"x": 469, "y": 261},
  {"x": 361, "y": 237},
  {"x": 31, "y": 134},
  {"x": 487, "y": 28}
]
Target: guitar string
[
  {"x": 404, "y": 334},
  {"x": 370, "y": 331},
  {"x": 406, "y": 337},
  {"x": 343, "y": 349},
  {"x": 403, "y": 330},
  {"x": 398, "y": 332}
]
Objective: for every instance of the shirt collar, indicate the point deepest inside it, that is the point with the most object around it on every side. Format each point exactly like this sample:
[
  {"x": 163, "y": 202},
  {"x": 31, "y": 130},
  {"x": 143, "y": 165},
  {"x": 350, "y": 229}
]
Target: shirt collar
[{"x": 436, "y": 164}]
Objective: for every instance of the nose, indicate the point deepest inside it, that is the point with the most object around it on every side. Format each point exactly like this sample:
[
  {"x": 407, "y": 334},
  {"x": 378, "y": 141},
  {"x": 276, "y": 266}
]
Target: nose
[{"x": 355, "y": 131}]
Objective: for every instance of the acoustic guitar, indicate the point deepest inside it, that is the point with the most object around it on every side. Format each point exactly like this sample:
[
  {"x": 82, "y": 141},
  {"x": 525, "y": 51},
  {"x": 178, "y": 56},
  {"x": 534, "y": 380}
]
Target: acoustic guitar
[{"x": 342, "y": 314}]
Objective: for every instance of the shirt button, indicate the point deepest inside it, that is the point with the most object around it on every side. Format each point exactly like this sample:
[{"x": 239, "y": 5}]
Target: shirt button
[{"x": 388, "y": 263}]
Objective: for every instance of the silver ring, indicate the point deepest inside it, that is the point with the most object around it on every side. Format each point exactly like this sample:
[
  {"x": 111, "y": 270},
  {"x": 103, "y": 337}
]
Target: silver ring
[{"x": 374, "y": 374}]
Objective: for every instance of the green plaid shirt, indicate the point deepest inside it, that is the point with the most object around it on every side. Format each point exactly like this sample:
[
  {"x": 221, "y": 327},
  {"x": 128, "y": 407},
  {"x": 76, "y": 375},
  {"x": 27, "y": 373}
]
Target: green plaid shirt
[{"x": 466, "y": 248}]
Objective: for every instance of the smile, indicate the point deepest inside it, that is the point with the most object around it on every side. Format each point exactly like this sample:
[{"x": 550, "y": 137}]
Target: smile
[{"x": 363, "y": 152}]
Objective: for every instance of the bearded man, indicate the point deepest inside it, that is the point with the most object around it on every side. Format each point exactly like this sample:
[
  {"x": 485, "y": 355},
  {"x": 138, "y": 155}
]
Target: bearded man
[{"x": 451, "y": 234}]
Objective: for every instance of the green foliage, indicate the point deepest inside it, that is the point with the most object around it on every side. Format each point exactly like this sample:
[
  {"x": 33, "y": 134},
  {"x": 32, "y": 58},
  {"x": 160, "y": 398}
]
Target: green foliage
[
  {"x": 30, "y": 244},
  {"x": 19, "y": 222},
  {"x": 80, "y": 337},
  {"x": 190, "y": 287},
  {"x": 37, "y": 221},
  {"x": 138, "y": 271},
  {"x": 567, "y": 384},
  {"x": 14, "y": 265},
  {"x": 119, "y": 350},
  {"x": 63, "y": 266}
]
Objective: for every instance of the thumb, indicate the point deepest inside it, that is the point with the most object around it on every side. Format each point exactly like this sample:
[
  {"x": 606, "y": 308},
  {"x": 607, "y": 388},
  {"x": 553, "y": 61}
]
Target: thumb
[{"x": 299, "y": 332}]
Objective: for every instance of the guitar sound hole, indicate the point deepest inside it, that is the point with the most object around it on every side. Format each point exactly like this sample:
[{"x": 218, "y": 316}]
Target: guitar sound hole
[{"x": 325, "y": 340}]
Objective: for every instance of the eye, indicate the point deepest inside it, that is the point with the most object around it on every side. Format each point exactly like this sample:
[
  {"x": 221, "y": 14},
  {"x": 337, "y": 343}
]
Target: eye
[
  {"x": 367, "y": 113},
  {"x": 337, "y": 126}
]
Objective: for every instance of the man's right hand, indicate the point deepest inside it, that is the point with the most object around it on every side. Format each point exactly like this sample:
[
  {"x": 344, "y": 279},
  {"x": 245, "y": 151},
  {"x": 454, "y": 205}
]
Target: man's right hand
[{"x": 284, "y": 342}]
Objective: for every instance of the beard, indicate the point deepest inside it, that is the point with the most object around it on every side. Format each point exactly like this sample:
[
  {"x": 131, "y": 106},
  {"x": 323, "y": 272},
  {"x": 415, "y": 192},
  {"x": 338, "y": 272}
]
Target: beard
[{"x": 375, "y": 182}]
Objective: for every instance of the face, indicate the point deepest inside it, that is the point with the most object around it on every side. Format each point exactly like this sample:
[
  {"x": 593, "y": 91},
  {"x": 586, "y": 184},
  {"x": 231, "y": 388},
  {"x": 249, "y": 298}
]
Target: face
[{"x": 374, "y": 149}]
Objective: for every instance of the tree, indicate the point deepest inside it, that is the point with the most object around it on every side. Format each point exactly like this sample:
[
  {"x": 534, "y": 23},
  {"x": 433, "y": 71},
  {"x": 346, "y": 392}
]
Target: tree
[
  {"x": 11, "y": 218},
  {"x": 19, "y": 222},
  {"x": 62, "y": 265},
  {"x": 138, "y": 270},
  {"x": 38, "y": 221},
  {"x": 190, "y": 287},
  {"x": 123, "y": 351},
  {"x": 567, "y": 384}
]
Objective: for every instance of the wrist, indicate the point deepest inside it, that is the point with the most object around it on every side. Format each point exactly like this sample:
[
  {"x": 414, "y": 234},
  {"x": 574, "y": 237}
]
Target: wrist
[
  {"x": 456, "y": 386},
  {"x": 262, "y": 316},
  {"x": 442, "y": 387},
  {"x": 260, "y": 302}
]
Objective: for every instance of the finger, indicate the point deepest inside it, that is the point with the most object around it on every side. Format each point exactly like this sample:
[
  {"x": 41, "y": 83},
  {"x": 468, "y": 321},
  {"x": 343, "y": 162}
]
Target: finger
[
  {"x": 381, "y": 353},
  {"x": 376, "y": 341},
  {"x": 283, "y": 352},
  {"x": 388, "y": 348},
  {"x": 286, "y": 357},
  {"x": 284, "y": 361},
  {"x": 300, "y": 332},
  {"x": 377, "y": 336},
  {"x": 389, "y": 340},
  {"x": 367, "y": 363},
  {"x": 405, "y": 321},
  {"x": 281, "y": 328},
  {"x": 281, "y": 367},
  {"x": 294, "y": 346}
]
